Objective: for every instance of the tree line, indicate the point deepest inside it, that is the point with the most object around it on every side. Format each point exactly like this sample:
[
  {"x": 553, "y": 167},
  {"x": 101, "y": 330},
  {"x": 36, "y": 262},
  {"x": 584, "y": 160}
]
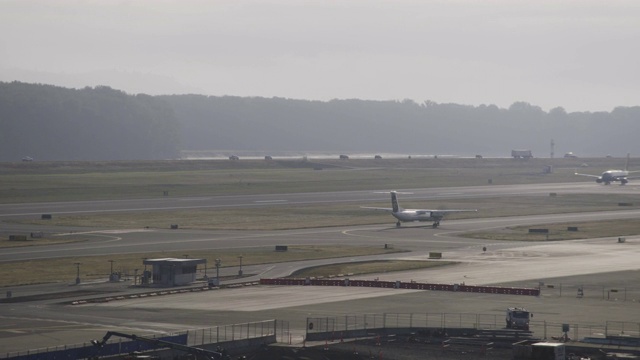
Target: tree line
[{"x": 53, "y": 123}]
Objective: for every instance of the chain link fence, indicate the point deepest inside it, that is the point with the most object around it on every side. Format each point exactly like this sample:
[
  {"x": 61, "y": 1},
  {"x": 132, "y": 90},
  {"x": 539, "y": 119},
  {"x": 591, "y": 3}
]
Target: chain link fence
[
  {"x": 233, "y": 332},
  {"x": 198, "y": 337},
  {"x": 540, "y": 329},
  {"x": 599, "y": 292}
]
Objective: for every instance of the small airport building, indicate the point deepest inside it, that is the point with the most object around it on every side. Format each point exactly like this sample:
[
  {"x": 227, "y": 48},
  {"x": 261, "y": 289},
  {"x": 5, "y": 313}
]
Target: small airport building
[{"x": 172, "y": 271}]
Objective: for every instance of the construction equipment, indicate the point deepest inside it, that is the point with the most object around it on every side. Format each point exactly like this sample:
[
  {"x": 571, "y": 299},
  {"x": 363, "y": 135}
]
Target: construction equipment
[{"x": 198, "y": 353}]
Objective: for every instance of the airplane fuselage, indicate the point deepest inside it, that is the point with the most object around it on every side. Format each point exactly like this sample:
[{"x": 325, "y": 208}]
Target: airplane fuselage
[
  {"x": 408, "y": 215},
  {"x": 610, "y": 176}
]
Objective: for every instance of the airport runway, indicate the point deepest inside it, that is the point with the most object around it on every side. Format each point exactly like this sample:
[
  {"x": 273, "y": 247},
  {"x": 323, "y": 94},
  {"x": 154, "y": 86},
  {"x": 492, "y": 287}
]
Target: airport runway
[
  {"x": 47, "y": 323},
  {"x": 248, "y": 201},
  {"x": 110, "y": 242},
  {"x": 415, "y": 237}
]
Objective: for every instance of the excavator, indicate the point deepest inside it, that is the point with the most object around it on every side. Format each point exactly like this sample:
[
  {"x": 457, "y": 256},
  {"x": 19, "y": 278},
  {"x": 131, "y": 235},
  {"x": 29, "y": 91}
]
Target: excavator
[{"x": 197, "y": 353}]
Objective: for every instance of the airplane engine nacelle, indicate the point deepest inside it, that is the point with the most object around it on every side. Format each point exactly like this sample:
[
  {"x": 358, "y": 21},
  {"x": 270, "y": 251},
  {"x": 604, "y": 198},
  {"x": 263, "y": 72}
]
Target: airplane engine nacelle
[{"x": 599, "y": 181}]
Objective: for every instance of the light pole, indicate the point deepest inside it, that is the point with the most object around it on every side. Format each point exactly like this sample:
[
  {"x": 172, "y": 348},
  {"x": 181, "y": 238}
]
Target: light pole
[
  {"x": 144, "y": 273},
  {"x": 240, "y": 271},
  {"x": 218, "y": 263},
  {"x": 111, "y": 277},
  {"x": 173, "y": 275},
  {"x": 77, "y": 272}
]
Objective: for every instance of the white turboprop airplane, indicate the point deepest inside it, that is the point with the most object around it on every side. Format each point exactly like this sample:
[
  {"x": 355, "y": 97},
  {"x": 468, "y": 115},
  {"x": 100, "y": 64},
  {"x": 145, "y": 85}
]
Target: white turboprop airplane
[
  {"x": 408, "y": 215},
  {"x": 610, "y": 176}
]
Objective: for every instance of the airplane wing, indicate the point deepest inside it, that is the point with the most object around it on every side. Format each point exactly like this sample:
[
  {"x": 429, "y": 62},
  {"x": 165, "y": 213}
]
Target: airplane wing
[
  {"x": 377, "y": 208},
  {"x": 421, "y": 211},
  {"x": 448, "y": 211},
  {"x": 589, "y": 175}
]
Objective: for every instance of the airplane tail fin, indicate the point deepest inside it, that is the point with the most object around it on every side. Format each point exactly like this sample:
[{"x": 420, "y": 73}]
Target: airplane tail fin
[{"x": 394, "y": 202}]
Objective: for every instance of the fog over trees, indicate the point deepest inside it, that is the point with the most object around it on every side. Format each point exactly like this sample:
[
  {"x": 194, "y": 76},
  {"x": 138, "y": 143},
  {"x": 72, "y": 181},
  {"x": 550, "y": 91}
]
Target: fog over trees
[{"x": 54, "y": 123}]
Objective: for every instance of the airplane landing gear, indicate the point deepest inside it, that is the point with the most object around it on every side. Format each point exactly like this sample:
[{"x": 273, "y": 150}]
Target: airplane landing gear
[
  {"x": 436, "y": 224},
  {"x": 398, "y": 224}
]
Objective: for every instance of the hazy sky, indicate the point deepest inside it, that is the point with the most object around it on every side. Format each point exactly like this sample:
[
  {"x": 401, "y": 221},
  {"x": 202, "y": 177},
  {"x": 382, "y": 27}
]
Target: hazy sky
[{"x": 583, "y": 55}]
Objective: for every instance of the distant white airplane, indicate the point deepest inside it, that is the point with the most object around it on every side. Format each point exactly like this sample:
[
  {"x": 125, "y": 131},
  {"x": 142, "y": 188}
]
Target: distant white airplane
[
  {"x": 409, "y": 215},
  {"x": 610, "y": 176}
]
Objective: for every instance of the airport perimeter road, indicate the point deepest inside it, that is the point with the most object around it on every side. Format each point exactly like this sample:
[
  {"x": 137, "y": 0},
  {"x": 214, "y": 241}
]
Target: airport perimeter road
[{"x": 27, "y": 210}]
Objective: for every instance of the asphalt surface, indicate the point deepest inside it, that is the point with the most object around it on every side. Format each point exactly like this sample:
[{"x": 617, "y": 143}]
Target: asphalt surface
[{"x": 599, "y": 265}]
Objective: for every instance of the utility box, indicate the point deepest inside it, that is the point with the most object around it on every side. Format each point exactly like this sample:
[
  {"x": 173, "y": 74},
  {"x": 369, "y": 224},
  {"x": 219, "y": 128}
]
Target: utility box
[{"x": 548, "y": 351}]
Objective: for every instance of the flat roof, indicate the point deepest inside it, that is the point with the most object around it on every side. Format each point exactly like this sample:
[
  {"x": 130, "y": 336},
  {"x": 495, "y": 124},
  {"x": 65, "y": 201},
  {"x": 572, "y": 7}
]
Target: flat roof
[
  {"x": 174, "y": 261},
  {"x": 547, "y": 344}
]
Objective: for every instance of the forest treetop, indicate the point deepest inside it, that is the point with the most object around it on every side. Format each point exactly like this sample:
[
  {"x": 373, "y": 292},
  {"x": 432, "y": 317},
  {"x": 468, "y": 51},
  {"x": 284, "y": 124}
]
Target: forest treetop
[{"x": 53, "y": 123}]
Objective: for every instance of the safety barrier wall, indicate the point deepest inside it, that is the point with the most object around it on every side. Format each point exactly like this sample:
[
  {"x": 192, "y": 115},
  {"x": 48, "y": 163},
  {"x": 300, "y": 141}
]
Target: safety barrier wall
[{"x": 404, "y": 285}]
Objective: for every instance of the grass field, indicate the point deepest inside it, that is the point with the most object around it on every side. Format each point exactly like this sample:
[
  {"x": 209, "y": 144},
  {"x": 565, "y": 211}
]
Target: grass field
[
  {"x": 327, "y": 215},
  {"x": 69, "y": 181},
  {"x": 99, "y": 267},
  {"x": 366, "y": 267},
  {"x": 562, "y": 231}
]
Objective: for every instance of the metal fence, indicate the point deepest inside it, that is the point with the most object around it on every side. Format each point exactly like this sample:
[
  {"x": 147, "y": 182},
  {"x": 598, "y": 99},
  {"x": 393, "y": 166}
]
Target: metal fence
[
  {"x": 599, "y": 292},
  {"x": 420, "y": 320},
  {"x": 219, "y": 334},
  {"x": 540, "y": 329},
  {"x": 199, "y": 337}
]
